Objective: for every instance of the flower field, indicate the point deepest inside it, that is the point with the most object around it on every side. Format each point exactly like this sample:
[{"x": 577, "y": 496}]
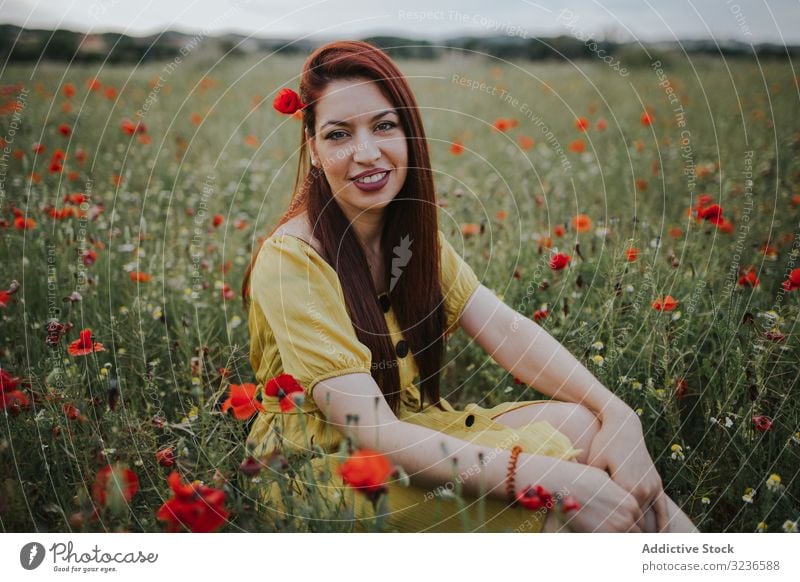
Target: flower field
[{"x": 649, "y": 222}]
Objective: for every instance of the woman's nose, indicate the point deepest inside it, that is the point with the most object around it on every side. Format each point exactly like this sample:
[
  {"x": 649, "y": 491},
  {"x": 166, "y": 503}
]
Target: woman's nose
[{"x": 367, "y": 151}]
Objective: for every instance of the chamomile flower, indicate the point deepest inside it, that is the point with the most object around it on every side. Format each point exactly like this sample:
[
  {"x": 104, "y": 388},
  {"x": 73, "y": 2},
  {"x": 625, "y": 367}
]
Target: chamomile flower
[
  {"x": 761, "y": 527},
  {"x": 598, "y": 345},
  {"x": 677, "y": 452},
  {"x": 598, "y": 359},
  {"x": 774, "y": 482},
  {"x": 705, "y": 501},
  {"x": 790, "y": 526},
  {"x": 749, "y": 493}
]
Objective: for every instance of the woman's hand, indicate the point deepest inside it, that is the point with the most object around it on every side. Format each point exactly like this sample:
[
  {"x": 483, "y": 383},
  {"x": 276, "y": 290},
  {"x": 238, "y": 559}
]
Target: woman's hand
[
  {"x": 619, "y": 449},
  {"x": 605, "y": 506}
]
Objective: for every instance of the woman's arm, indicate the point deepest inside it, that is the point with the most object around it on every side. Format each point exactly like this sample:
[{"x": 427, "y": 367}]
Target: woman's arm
[
  {"x": 531, "y": 354},
  {"x": 432, "y": 458}
]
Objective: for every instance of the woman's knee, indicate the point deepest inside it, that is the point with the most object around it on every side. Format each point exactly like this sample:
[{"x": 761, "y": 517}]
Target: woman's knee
[{"x": 575, "y": 421}]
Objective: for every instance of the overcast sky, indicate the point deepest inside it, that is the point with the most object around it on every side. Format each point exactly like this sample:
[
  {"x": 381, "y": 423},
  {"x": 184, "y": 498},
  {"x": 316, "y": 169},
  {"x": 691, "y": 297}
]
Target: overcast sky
[{"x": 648, "y": 20}]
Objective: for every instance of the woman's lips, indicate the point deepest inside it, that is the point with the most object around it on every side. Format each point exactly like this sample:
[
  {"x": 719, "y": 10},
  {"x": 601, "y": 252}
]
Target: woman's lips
[{"x": 372, "y": 186}]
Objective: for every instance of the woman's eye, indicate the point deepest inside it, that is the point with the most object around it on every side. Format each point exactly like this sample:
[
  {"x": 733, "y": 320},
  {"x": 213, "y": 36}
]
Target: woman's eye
[{"x": 382, "y": 126}]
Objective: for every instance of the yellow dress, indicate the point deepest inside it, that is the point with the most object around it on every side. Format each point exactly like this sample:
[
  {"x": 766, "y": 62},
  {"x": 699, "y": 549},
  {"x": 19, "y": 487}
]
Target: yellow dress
[{"x": 299, "y": 325}]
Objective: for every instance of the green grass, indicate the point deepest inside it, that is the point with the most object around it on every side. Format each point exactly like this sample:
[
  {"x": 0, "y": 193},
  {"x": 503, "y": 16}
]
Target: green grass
[{"x": 161, "y": 210}]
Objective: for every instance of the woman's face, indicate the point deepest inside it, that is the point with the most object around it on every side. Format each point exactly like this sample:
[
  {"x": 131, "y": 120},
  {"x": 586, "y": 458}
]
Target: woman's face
[{"x": 357, "y": 131}]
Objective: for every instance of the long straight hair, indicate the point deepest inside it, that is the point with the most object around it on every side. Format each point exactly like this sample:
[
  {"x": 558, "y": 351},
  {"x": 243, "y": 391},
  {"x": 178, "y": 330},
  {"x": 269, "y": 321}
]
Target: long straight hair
[{"x": 416, "y": 296}]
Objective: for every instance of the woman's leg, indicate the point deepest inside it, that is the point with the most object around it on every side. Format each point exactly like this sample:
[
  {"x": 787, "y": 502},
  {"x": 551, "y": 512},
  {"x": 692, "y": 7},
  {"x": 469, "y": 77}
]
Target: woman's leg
[
  {"x": 576, "y": 422},
  {"x": 580, "y": 425}
]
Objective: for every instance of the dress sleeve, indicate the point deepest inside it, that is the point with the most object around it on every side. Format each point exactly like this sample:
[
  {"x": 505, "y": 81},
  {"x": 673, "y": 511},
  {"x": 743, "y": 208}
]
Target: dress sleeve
[
  {"x": 303, "y": 303},
  {"x": 459, "y": 282}
]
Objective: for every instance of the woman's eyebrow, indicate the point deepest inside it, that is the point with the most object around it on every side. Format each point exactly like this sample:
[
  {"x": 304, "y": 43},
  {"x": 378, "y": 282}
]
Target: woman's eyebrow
[{"x": 374, "y": 118}]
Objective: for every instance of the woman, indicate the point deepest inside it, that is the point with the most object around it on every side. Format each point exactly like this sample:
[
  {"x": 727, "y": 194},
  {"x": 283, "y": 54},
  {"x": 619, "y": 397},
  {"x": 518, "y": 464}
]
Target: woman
[{"x": 350, "y": 297}]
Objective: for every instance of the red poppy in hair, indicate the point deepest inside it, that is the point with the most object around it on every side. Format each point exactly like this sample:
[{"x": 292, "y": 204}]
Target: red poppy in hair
[{"x": 288, "y": 101}]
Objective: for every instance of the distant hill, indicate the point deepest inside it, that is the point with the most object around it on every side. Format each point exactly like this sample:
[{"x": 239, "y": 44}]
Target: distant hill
[{"x": 19, "y": 44}]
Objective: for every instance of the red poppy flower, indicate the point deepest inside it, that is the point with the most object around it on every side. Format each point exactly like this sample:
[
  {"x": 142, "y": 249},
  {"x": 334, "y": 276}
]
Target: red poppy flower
[
  {"x": 582, "y": 223},
  {"x": 113, "y": 481},
  {"x": 646, "y": 119},
  {"x": 559, "y": 261},
  {"x": 577, "y": 146},
  {"x": 217, "y": 220},
  {"x": 631, "y": 254},
  {"x": 84, "y": 344},
  {"x": 749, "y": 279},
  {"x": 503, "y": 124},
  {"x": 525, "y": 142},
  {"x": 558, "y": 230},
  {"x": 793, "y": 282},
  {"x": 712, "y": 214},
  {"x": 71, "y": 412},
  {"x": 283, "y": 387},
  {"x": 227, "y": 292},
  {"x": 199, "y": 508},
  {"x": 89, "y": 257},
  {"x": 287, "y": 101},
  {"x": 21, "y": 223},
  {"x": 540, "y": 314},
  {"x": 11, "y": 399},
  {"x": 668, "y": 303},
  {"x": 242, "y": 401},
  {"x": 725, "y": 226},
  {"x": 80, "y": 155},
  {"x": 68, "y": 90},
  {"x": 535, "y": 498},
  {"x": 762, "y": 423},
  {"x": 366, "y": 471},
  {"x": 76, "y": 199},
  {"x": 456, "y": 148},
  {"x": 5, "y": 297},
  {"x": 581, "y": 124},
  {"x": 94, "y": 84},
  {"x": 470, "y": 229},
  {"x": 250, "y": 467},
  {"x": 166, "y": 456},
  {"x": 38, "y": 148},
  {"x": 140, "y": 277},
  {"x": 601, "y": 124},
  {"x": 130, "y": 128},
  {"x": 64, "y": 129}
]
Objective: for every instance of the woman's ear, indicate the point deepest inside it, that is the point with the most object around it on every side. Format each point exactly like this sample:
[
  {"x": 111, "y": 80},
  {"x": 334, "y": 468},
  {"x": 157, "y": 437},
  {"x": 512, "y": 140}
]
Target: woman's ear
[{"x": 312, "y": 146}]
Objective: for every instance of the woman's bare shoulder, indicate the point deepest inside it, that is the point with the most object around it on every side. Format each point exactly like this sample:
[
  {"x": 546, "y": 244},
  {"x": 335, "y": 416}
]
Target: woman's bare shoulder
[{"x": 299, "y": 227}]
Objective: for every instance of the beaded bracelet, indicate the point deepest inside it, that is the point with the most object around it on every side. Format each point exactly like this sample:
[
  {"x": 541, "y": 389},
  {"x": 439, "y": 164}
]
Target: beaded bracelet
[{"x": 512, "y": 467}]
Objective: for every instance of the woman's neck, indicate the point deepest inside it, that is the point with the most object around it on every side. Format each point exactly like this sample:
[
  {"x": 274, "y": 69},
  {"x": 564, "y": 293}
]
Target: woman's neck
[{"x": 368, "y": 228}]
